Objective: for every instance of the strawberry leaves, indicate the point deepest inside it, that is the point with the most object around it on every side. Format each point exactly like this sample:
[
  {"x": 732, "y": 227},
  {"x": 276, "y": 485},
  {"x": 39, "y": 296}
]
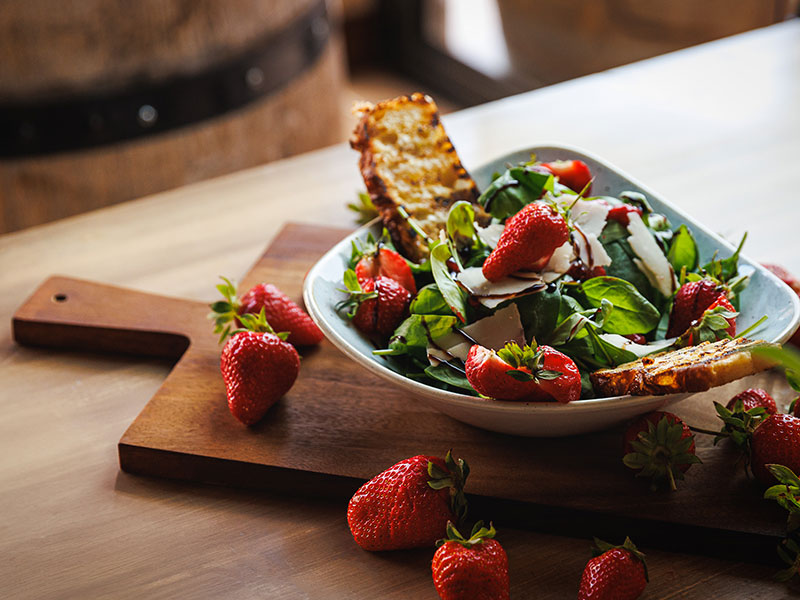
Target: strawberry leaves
[
  {"x": 477, "y": 536},
  {"x": 529, "y": 357},
  {"x": 453, "y": 477}
]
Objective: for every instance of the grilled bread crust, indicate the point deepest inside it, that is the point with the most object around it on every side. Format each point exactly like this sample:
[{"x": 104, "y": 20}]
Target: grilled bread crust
[
  {"x": 408, "y": 161},
  {"x": 690, "y": 369}
]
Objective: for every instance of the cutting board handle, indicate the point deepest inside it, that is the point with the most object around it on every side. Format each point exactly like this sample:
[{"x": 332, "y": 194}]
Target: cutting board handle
[{"x": 83, "y": 315}]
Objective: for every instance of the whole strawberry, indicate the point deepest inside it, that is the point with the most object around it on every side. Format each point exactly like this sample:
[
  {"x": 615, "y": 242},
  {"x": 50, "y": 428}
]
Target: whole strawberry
[
  {"x": 380, "y": 261},
  {"x": 537, "y": 373},
  {"x": 376, "y": 306},
  {"x": 574, "y": 174},
  {"x": 753, "y": 398},
  {"x": 776, "y": 440},
  {"x": 281, "y": 312},
  {"x": 659, "y": 446},
  {"x": 471, "y": 569},
  {"x": 258, "y": 368},
  {"x": 615, "y": 573},
  {"x": 691, "y": 301},
  {"x": 528, "y": 241},
  {"x": 409, "y": 504}
]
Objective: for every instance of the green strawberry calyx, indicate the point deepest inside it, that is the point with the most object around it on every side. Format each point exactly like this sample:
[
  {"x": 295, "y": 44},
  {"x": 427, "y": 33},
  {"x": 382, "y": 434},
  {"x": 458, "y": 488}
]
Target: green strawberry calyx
[
  {"x": 786, "y": 493},
  {"x": 660, "y": 451},
  {"x": 357, "y": 295},
  {"x": 738, "y": 426},
  {"x": 479, "y": 534},
  {"x": 601, "y": 547},
  {"x": 527, "y": 362},
  {"x": 453, "y": 477},
  {"x": 225, "y": 312},
  {"x": 258, "y": 323},
  {"x": 711, "y": 327}
]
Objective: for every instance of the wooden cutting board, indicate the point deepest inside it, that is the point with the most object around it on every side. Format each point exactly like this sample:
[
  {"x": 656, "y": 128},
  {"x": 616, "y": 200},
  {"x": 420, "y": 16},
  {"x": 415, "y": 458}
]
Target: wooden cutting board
[{"x": 339, "y": 425}]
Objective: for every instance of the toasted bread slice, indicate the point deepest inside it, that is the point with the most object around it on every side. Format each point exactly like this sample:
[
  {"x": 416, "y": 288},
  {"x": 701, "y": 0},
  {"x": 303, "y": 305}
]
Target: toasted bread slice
[
  {"x": 690, "y": 369},
  {"x": 408, "y": 161}
]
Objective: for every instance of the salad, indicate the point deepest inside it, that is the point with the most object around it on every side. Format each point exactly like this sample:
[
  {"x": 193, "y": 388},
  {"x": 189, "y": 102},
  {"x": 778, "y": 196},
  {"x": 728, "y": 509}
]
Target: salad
[{"x": 538, "y": 285}]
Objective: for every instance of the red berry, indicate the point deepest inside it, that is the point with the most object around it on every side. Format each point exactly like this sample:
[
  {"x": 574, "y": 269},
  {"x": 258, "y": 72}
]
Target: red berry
[
  {"x": 258, "y": 369},
  {"x": 691, "y": 301},
  {"x": 619, "y": 573},
  {"x": 574, "y": 174},
  {"x": 387, "y": 263},
  {"x": 539, "y": 374},
  {"x": 775, "y": 441},
  {"x": 753, "y": 398},
  {"x": 385, "y": 312},
  {"x": 472, "y": 569},
  {"x": 723, "y": 301},
  {"x": 400, "y": 509},
  {"x": 528, "y": 241},
  {"x": 620, "y": 213},
  {"x": 282, "y": 314},
  {"x": 660, "y": 446}
]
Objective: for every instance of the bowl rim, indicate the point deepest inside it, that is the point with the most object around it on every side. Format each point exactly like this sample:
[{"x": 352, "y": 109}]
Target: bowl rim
[{"x": 505, "y": 406}]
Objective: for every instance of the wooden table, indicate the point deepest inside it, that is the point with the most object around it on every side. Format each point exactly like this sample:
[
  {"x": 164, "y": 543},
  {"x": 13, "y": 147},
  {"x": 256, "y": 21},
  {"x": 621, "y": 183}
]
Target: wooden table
[{"x": 715, "y": 129}]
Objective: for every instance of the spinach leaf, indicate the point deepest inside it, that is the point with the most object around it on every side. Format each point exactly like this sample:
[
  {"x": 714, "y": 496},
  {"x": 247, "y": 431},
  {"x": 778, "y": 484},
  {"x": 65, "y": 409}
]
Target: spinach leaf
[
  {"x": 539, "y": 314},
  {"x": 632, "y": 312},
  {"x": 727, "y": 268},
  {"x": 449, "y": 376},
  {"x": 429, "y": 301},
  {"x": 412, "y": 335},
  {"x": 683, "y": 251},
  {"x": 515, "y": 188},
  {"x": 623, "y": 267},
  {"x": 452, "y": 294}
]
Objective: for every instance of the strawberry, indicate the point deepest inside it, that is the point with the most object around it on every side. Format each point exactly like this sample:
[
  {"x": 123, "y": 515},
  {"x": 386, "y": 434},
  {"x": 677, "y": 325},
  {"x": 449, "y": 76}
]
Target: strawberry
[
  {"x": 574, "y": 174},
  {"x": 619, "y": 213},
  {"x": 691, "y": 301},
  {"x": 281, "y": 312},
  {"x": 793, "y": 283},
  {"x": 386, "y": 263},
  {"x": 470, "y": 569},
  {"x": 258, "y": 367},
  {"x": 528, "y": 241},
  {"x": 775, "y": 441},
  {"x": 378, "y": 305},
  {"x": 753, "y": 398},
  {"x": 615, "y": 573},
  {"x": 536, "y": 373},
  {"x": 660, "y": 446},
  {"x": 410, "y": 504},
  {"x": 723, "y": 302}
]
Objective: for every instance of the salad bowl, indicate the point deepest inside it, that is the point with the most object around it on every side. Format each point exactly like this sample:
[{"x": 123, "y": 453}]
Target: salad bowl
[{"x": 765, "y": 295}]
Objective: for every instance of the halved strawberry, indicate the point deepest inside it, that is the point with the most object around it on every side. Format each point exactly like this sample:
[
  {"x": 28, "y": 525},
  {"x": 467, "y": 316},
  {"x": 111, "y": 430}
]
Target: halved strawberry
[
  {"x": 385, "y": 262},
  {"x": 536, "y": 373},
  {"x": 574, "y": 174}
]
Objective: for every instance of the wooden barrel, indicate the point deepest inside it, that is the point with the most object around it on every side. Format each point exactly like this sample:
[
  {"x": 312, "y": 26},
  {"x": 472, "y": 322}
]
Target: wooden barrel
[{"x": 102, "y": 101}]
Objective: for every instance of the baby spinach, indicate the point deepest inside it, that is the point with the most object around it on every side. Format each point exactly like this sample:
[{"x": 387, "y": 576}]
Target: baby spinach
[
  {"x": 414, "y": 334},
  {"x": 683, "y": 251},
  {"x": 452, "y": 294},
  {"x": 429, "y": 301},
  {"x": 450, "y": 376},
  {"x": 515, "y": 188},
  {"x": 632, "y": 312}
]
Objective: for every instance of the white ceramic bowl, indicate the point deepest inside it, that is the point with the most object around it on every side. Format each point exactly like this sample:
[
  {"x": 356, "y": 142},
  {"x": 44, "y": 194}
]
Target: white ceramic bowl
[{"x": 766, "y": 294}]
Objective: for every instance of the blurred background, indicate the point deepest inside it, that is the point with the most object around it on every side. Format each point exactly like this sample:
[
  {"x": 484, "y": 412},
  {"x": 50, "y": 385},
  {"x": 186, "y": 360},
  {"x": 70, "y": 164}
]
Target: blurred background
[{"x": 103, "y": 101}]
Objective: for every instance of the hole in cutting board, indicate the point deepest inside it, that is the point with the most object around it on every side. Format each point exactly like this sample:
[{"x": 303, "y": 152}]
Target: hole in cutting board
[{"x": 59, "y": 297}]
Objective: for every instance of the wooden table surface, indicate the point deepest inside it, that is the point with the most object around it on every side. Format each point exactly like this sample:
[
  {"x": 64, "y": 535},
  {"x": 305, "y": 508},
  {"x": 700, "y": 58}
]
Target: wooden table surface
[{"x": 715, "y": 129}]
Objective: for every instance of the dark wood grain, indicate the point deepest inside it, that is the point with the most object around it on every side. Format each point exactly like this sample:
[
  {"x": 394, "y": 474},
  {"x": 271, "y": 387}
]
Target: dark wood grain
[{"x": 340, "y": 425}]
